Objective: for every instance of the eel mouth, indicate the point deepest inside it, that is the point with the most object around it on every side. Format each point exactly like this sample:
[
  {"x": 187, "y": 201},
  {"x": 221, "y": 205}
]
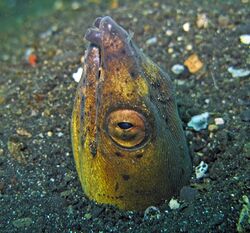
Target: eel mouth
[
  {"x": 92, "y": 62},
  {"x": 95, "y": 36}
]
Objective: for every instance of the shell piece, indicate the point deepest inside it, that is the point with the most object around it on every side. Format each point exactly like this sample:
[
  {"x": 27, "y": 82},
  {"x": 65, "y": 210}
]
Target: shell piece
[
  {"x": 238, "y": 73},
  {"x": 128, "y": 142},
  {"x": 199, "y": 122},
  {"x": 245, "y": 39},
  {"x": 193, "y": 63},
  {"x": 201, "y": 170}
]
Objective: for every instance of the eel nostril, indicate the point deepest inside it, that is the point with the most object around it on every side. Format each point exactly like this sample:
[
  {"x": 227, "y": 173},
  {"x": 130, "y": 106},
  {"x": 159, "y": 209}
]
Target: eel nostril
[
  {"x": 97, "y": 22},
  {"x": 93, "y": 36}
]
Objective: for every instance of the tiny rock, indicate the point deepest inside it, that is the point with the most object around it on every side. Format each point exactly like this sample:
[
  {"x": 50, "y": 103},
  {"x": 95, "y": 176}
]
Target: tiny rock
[
  {"x": 151, "y": 41},
  {"x": 223, "y": 21},
  {"x": 186, "y": 27},
  {"x": 219, "y": 121},
  {"x": 202, "y": 21},
  {"x": 16, "y": 149},
  {"x": 193, "y": 63},
  {"x": 77, "y": 76},
  {"x": 188, "y": 194},
  {"x": 169, "y": 32},
  {"x": 23, "y": 132},
  {"x": 30, "y": 56},
  {"x": 245, "y": 115},
  {"x": 75, "y": 5},
  {"x": 151, "y": 213},
  {"x": 87, "y": 216},
  {"x": 238, "y": 73},
  {"x": 199, "y": 122},
  {"x": 201, "y": 170},
  {"x": 174, "y": 204},
  {"x": 245, "y": 39},
  {"x": 212, "y": 127},
  {"x": 49, "y": 133},
  {"x": 177, "y": 69}
]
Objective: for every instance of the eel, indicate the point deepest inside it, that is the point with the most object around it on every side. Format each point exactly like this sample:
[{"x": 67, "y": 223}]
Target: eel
[{"x": 128, "y": 141}]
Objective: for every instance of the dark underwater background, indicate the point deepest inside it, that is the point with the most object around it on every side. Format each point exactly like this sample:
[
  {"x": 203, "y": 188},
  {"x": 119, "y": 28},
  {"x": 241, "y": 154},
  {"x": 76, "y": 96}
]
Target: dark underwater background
[{"x": 41, "y": 48}]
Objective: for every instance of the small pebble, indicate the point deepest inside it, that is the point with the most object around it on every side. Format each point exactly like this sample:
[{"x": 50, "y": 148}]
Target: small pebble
[
  {"x": 207, "y": 101},
  {"x": 238, "y": 73},
  {"x": 212, "y": 127},
  {"x": 58, "y": 5},
  {"x": 177, "y": 69},
  {"x": 245, "y": 39},
  {"x": 82, "y": 59},
  {"x": 49, "y": 133},
  {"x": 169, "y": 32},
  {"x": 223, "y": 20},
  {"x": 245, "y": 115},
  {"x": 188, "y": 194},
  {"x": 201, "y": 170},
  {"x": 27, "y": 53},
  {"x": 59, "y": 134},
  {"x": 170, "y": 50},
  {"x": 193, "y": 63},
  {"x": 30, "y": 56},
  {"x": 199, "y": 122},
  {"x": 174, "y": 204},
  {"x": 75, "y": 5},
  {"x": 87, "y": 216},
  {"x": 180, "y": 38},
  {"x": 114, "y": 4},
  {"x": 219, "y": 121},
  {"x": 186, "y": 27},
  {"x": 16, "y": 149},
  {"x": 202, "y": 21},
  {"x": 189, "y": 47},
  {"x": 77, "y": 76},
  {"x": 23, "y": 132},
  {"x": 151, "y": 213},
  {"x": 151, "y": 41}
]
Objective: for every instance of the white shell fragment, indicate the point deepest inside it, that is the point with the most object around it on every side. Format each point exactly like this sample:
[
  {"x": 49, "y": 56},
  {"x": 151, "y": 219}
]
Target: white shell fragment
[
  {"x": 77, "y": 76},
  {"x": 186, "y": 27},
  {"x": 200, "y": 170},
  {"x": 177, "y": 69},
  {"x": 199, "y": 122},
  {"x": 151, "y": 41},
  {"x": 174, "y": 204},
  {"x": 219, "y": 121},
  {"x": 245, "y": 39},
  {"x": 238, "y": 73}
]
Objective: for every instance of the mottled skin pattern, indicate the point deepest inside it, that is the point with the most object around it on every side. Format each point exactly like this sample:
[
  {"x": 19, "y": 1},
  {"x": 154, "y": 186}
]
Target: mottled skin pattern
[{"x": 145, "y": 160}]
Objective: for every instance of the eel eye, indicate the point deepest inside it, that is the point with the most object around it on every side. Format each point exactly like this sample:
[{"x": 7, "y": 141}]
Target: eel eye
[{"x": 126, "y": 127}]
